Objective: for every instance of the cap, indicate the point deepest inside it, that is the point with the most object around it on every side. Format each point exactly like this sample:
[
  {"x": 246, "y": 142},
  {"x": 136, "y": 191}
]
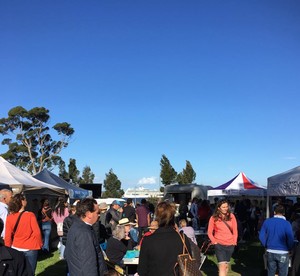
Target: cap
[
  {"x": 102, "y": 206},
  {"x": 117, "y": 202}
]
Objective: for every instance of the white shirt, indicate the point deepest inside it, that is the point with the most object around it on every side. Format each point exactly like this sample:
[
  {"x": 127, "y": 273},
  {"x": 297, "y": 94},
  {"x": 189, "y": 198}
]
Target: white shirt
[{"x": 3, "y": 215}]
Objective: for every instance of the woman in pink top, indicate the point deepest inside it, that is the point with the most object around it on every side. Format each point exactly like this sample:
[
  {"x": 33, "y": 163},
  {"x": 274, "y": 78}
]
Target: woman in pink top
[
  {"x": 60, "y": 213},
  {"x": 223, "y": 233}
]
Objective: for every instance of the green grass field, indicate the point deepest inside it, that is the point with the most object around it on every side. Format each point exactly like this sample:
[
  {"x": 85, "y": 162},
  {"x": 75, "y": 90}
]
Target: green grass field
[{"x": 248, "y": 261}]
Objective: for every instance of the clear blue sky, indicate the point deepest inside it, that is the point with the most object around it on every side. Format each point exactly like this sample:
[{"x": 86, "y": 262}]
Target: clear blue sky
[{"x": 213, "y": 82}]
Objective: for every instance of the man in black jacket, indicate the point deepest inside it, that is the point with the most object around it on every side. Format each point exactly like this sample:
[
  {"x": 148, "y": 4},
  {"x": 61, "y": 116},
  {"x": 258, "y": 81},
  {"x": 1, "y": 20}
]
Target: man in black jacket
[{"x": 83, "y": 253}]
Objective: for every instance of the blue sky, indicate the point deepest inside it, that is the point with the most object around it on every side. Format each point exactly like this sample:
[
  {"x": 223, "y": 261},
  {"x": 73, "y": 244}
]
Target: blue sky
[{"x": 213, "y": 82}]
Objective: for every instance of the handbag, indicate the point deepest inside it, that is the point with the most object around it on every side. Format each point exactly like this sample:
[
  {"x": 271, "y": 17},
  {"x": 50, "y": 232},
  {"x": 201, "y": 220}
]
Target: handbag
[
  {"x": 187, "y": 266},
  {"x": 16, "y": 226}
]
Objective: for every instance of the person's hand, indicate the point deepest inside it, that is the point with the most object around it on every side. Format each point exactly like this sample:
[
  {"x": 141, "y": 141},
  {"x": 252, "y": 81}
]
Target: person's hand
[{"x": 120, "y": 210}]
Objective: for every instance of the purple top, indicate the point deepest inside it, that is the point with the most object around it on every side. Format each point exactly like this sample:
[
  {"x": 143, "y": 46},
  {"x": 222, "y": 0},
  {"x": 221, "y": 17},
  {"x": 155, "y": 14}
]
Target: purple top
[{"x": 142, "y": 215}]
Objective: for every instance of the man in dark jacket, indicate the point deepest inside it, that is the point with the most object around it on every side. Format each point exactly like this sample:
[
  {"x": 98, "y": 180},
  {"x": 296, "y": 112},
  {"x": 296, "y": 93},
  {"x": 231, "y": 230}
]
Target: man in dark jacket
[
  {"x": 129, "y": 210},
  {"x": 83, "y": 253},
  {"x": 12, "y": 262}
]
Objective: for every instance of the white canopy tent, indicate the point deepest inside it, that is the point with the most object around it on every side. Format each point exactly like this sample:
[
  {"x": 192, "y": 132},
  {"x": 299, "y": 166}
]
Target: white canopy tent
[
  {"x": 285, "y": 184},
  {"x": 21, "y": 181},
  {"x": 238, "y": 186}
]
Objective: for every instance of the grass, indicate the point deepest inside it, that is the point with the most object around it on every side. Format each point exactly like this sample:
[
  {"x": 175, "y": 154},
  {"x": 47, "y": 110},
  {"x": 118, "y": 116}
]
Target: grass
[
  {"x": 50, "y": 265},
  {"x": 248, "y": 261}
]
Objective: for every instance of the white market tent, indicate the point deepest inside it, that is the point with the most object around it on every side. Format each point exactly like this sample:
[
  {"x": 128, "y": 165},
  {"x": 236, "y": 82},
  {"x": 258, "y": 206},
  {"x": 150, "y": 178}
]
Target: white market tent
[
  {"x": 238, "y": 186},
  {"x": 73, "y": 191},
  {"x": 285, "y": 184},
  {"x": 21, "y": 181}
]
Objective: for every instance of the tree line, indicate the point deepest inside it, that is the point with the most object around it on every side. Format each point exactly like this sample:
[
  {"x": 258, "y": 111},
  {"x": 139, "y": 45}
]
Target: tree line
[{"x": 32, "y": 147}]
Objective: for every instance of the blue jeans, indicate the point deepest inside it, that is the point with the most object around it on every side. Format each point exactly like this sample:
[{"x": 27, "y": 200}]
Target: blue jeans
[
  {"x": 278, "y": 261},
  {"x": 46, "y": 228},
  {"x": 31, "y": 256}
]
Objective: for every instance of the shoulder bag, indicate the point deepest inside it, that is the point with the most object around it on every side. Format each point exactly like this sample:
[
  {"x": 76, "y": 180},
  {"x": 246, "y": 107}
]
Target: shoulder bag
[
  {"x": 16, "y": 226},
  {"x": 228, "y": 226},
  {"x": 187, "y": 266}
]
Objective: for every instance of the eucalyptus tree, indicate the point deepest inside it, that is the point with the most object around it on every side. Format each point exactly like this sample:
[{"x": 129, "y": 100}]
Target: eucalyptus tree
[{"x": 30, "y": 144}]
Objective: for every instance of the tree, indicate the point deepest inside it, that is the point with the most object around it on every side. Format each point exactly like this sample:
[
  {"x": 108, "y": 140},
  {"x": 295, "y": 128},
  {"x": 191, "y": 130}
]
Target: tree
[
  {"x": 188, "y": 175},
  {"x": 62, "y": 171},
  {"x": 112, "y": 186},
  {"x": 87, "y": 176},
  {"x": 167, "y": 172},
  {"x": 73, "y": 171},
  {"x": 32, "y": 147}
]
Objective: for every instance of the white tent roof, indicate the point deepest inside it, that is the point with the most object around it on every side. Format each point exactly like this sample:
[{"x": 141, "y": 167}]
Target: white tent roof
[
  {"x": 237, "y": 186},
  {"x": 20, "y": 181},
  {"x": 285, "y": 184}
]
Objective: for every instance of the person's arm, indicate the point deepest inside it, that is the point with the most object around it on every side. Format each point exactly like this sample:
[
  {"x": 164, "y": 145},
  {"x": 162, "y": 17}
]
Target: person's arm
[
  {"x": 262, "y": 235},
  {"x": 148, "y": 218},
  {"x": 137, "y": 219},
  {"x": 234, "y": 229},
  {"x": 210, "y": 230},
  {"x": 8, "y": 232}
]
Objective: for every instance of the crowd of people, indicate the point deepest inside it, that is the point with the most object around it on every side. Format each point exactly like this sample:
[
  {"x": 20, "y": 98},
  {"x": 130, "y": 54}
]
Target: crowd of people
[{"x": 94, "y": 239}]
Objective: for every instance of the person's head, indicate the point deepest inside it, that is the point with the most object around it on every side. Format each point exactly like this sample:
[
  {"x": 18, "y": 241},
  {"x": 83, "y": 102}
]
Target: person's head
[
  {"x": 143, "y": 201},
  {"x": 61, "y": 205},
  {"x": 165, "y": 214},
  {"x": 103, "y": 207},
  {"x": 279, "y": 210},
  {"x": 182, "y": 223},
  {"x": 88, "y": 210},
  {"x": 46, "y": 203},
  {"x": 129, "y": 201},
  {"x": 222, "y": 209},
  {"x": 119, "y": 232},
  {"x": 153, "y": 226},
  {"x": 5, "y": 195},
  {"x": 17, "y": 203},
  {"x": 72, "y": 209},
  {"x": 116, "y": 204}
]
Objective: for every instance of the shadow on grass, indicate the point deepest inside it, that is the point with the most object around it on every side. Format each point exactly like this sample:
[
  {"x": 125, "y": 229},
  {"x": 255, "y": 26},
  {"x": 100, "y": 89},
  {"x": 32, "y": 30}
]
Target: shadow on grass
[
  {"x": 59, "y": 268},
  {"x": 209, "y": 267},
  {"x": 248, "y": 259}
]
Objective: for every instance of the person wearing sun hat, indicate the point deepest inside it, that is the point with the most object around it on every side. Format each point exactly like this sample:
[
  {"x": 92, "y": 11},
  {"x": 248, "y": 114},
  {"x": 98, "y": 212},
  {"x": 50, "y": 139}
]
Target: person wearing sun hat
[
  {"x": 131, "y": 234},
  {"x": 114, "y": 214}
]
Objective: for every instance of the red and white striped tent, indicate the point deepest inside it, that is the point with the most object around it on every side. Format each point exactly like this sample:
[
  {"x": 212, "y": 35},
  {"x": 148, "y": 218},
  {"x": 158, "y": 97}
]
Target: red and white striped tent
[{"x": 238, "y": 186}]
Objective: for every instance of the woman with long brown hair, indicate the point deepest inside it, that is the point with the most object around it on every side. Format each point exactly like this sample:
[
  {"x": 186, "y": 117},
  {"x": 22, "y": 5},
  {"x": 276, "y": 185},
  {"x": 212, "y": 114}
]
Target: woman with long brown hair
[
  {"x": 159, "y": 251},
  {"x": 27, "y": 235},
  {"x": 61, "y": 211},
  {"x": 223, "y": 233}
]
